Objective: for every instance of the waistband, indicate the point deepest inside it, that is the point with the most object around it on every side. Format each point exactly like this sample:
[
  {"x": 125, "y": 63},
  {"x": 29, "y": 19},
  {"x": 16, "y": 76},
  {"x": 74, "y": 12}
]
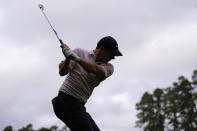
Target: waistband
[{"x": 66, "y": 96}]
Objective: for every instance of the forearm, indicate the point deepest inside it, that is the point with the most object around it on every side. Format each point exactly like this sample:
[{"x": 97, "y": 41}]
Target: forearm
[
  {"x": 87, "y": 65},
  {"x": 63, "y": 67},
  {"x": 92, "y": 68}
]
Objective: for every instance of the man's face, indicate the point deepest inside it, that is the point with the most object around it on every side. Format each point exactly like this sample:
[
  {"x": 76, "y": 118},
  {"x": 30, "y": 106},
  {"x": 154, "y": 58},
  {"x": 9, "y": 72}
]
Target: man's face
[{"x": 103, "y": 54}]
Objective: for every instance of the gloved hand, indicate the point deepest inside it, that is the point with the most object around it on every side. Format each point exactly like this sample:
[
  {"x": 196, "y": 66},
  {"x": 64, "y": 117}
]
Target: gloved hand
[
  {"x": 68, "y": 53},
  {"x": 74, "y": 56}
]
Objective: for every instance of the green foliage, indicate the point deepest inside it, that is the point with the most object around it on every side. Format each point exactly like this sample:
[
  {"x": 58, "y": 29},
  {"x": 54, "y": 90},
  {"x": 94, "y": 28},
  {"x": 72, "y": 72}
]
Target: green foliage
[
  {"x": 53, "y": 128},
  {"x": 8, "y": 128},
  {"x": 151, "y": 112},
  {"x": 173, "y": 108},
  {"x": 29, "y": 127}
]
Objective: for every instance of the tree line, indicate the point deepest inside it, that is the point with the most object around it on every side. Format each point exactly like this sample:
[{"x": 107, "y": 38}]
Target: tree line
[
  {"x": 29, "y": 127},
  {"x": 173, "y": 108},
  {"x": 170, "y": 109}
]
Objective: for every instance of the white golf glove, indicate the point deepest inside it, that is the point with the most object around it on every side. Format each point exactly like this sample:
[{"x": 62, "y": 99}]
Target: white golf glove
[{"x": 68, "y": 53}]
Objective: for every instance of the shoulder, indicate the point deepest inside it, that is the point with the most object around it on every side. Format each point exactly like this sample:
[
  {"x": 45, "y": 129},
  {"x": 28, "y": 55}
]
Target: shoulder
[
  {"x": 80, "y": 52},
  {"x": 107, "y": 65},
  {"x": 108, "y": 69}
]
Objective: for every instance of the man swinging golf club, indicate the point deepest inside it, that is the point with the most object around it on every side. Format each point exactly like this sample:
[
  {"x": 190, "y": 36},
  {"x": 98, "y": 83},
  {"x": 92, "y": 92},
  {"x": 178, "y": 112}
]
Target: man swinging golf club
[{"x": 85, "y": 70}]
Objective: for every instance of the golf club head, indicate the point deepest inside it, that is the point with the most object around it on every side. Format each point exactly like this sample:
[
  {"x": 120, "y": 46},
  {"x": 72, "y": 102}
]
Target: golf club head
[{"x": 41, "y": 7}]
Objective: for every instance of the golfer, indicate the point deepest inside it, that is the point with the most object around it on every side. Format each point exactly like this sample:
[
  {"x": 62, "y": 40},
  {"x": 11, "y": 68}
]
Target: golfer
[{"x": 85, "y": 70}]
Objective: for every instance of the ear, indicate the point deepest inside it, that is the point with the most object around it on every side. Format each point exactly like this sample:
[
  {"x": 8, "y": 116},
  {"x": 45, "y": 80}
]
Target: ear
[{"x": 102, "y": 48}]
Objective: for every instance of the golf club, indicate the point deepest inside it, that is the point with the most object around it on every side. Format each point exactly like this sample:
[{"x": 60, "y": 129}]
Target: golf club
[{"x": 42, "y": 9}]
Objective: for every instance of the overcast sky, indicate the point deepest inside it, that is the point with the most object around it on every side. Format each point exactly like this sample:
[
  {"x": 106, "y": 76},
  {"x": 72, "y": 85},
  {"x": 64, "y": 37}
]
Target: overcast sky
[{"x": 157, "y": 38}]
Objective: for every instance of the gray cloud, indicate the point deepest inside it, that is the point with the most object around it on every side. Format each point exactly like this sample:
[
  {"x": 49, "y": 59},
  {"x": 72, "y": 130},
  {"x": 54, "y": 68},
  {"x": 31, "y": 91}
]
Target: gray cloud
[{"x": 151, "y": 34}]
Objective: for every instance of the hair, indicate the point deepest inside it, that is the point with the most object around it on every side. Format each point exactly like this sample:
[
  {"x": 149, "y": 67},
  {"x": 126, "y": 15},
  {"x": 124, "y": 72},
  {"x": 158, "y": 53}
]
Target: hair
[{"x": 98, "y": 46}]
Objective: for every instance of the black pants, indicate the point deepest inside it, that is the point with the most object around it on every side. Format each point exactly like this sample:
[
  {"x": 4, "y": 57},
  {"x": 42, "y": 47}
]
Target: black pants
[{"x": 73, "y": 113}]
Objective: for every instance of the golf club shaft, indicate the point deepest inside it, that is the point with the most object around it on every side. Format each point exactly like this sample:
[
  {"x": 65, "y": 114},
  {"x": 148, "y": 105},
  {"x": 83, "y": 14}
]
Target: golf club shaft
[{"x": 42, "y": 8}]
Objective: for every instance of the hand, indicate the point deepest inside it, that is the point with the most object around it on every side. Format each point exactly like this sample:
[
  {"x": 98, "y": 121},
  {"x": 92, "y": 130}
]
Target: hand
[
  {"x": 61, "y": 64},
  {"x": 64, "y": 46},
  {"x": 69, "y": 54},
  {"x": 74, "y": 56},
  {"x": 66, "y": 50}
]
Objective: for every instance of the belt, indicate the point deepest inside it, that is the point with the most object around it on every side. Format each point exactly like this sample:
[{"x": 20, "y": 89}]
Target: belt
[{"x": 64, "y": 97}]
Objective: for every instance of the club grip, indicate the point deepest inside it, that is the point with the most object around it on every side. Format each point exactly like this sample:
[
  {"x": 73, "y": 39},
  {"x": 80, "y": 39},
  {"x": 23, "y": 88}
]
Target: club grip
[{"x": 61, "y": 41}]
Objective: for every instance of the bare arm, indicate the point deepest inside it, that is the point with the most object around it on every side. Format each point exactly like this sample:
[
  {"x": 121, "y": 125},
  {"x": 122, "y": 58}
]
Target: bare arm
[
  {"x": 87, "y": 65},
  {"x": 63, "y": 67},
  {"x": 92, "y": 68}
]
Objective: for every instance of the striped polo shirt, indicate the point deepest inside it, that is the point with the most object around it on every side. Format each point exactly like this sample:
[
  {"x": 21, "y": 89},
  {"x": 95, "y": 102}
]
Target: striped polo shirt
[{"x": 79, "y": 83}]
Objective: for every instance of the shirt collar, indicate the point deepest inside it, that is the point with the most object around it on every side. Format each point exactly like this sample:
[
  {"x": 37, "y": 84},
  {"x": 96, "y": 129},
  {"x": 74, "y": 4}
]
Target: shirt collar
[{"x": 91, "y": 53}]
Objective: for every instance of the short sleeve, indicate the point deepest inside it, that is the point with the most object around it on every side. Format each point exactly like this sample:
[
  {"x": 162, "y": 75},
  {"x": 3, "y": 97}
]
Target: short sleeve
[
  {"x": 78, "y": 51},
  {"x": 108, "y": 69}
]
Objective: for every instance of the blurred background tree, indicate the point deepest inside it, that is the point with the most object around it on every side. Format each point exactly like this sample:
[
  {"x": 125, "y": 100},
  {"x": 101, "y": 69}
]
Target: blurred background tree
[
  {"x": 29, "y": 127},
  {"x": 172, "y": 108}
]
